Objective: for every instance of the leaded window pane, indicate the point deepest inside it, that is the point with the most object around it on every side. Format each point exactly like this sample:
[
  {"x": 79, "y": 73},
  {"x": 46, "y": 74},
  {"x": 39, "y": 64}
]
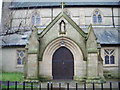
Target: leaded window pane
[
  {"x": 21, "y": 54},
  {"x": 19, "y": 60},
  {"x": 94, "y": 19},
  {"x": 33, "y": 20},
  {"x": 106, "y": 59},
  {"x": 38, "y": 19},
  {"x": 106, "y": 51},
  {"x": 99, "y": 19},
  {"x": 112, "y": 59},
  {"x": 111, "y": 51}
]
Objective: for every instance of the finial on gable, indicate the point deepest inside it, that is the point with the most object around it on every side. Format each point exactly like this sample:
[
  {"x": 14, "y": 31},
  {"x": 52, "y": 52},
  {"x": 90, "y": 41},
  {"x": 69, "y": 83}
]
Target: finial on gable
[
  {"x": 90, "y": 27},
  {"x": 62, "y": 5},
  {"x": 90, "y": 30}
]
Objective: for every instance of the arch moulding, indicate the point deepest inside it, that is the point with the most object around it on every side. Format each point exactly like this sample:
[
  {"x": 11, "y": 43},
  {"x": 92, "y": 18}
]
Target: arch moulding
[{"x": 45, "y": 67}]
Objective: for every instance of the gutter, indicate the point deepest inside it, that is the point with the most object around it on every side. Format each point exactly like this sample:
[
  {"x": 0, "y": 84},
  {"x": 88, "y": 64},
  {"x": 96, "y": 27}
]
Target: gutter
[{"x": 113, "y": 18}]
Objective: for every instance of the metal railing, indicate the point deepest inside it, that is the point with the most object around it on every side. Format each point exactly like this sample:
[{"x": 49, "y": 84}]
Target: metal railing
[{"x": 51, "y": 86}]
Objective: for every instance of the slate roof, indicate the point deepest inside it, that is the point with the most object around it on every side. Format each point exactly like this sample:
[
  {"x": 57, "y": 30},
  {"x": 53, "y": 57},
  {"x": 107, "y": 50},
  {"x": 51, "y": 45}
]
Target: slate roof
[
  {"x": 108, "y": 36},
  {"x": 105, "y": 35},
  {"x": 15, "y": 39},
  {"x": 58, "y": 4}
]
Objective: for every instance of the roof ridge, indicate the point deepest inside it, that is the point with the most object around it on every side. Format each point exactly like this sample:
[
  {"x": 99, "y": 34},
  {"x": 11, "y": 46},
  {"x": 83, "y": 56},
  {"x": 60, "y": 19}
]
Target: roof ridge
[{"x": 57, "y": 4}]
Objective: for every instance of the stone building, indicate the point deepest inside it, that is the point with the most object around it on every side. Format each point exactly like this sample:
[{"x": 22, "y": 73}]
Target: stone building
[{"x": 74, "y": 40}]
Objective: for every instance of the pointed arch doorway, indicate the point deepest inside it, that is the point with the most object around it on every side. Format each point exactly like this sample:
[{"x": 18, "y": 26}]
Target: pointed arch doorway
[{"x": 63, "y": 64}]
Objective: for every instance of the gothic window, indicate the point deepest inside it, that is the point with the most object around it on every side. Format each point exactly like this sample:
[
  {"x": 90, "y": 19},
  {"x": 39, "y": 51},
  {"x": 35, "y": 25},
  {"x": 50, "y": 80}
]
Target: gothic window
[
  {"x": 20, "y": 57},
  {"x": 35, "y": 19},
  {"x": 94, "y": 19},
  {"x": 106, "y": 59},
  {"x": 97, "y": 18},
  {"x": 109, "y": 56},
  {"x": 62, "y": 27}
]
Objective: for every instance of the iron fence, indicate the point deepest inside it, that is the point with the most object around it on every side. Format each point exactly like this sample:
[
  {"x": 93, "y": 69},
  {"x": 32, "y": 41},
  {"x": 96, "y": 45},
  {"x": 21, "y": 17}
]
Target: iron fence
[{"x": 51, "y": 86}]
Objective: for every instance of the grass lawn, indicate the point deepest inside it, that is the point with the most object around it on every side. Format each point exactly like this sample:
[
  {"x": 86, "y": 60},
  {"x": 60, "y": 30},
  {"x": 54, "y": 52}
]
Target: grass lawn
[
  {"x": 14, "y": 76},
  {"x": 0, "y": 76},
  {"x": 5, "y": 76}
]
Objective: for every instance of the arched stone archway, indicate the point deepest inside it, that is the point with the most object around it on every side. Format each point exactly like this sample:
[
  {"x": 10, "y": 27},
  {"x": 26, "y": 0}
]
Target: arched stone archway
[
  {"x": 45, "y": 66},
  {"x": 62, "y": 64}
]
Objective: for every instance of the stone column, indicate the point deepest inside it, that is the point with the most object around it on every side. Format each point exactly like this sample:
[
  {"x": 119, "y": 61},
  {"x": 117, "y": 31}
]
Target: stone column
[
  {"x": 32, "y": 56},
  {"x": 100, "y": 68},
  {"x": 92, "y": 62},
  {"x": 32, "y": 66}
]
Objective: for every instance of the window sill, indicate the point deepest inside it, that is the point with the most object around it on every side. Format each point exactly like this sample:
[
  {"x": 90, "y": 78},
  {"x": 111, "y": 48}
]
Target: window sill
[
  {"x": 96, "y": 24},
  {"x": 19, "y": 66},
  {"x": 110, "y": 65}
]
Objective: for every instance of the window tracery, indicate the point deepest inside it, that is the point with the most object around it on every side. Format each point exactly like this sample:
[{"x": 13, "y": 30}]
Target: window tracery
[
  {"x": 97, "y": 17},
  {"x": 35, "y": 19},
  {"x": 20, "y": 57},
  {"x": 109, "y": 56}
]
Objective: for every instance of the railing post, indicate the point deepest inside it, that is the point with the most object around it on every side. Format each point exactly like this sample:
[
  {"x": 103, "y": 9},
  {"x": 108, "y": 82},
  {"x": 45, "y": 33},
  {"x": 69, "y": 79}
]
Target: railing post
[
  {"x": 23, "y": 85},
  {"x": 76, "y": 86},
  {"x": 93, "y": 86},
  {"x": 8, "y": 85},
  {"x": 0, "y": 85},
  {"x": 110, "y": 85},
  {"x": 31, "y": 85},
  {"x": 15, "y": 85},
  {"x": 59, "y": 86},
  {"x": 40, "y": 86},
  {"x": 67, "y": 86},
  {"x": 51, "y": 86},
  {"x": 118, "y": 85},
  {"x": 101, "y": 86},
  {"x": 48, "y": 86},
  {"x": 85, "y": 86}
]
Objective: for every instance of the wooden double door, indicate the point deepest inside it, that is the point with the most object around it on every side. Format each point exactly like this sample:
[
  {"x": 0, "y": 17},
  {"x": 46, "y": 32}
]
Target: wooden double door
[{"x": 63, "y": 64}]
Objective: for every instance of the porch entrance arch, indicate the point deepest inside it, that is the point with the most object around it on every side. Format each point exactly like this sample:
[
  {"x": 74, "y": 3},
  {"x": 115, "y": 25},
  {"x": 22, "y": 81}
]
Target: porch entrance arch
[
  {"x": 50, "y": 54},
  {"x": 63, "y": 64}
]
